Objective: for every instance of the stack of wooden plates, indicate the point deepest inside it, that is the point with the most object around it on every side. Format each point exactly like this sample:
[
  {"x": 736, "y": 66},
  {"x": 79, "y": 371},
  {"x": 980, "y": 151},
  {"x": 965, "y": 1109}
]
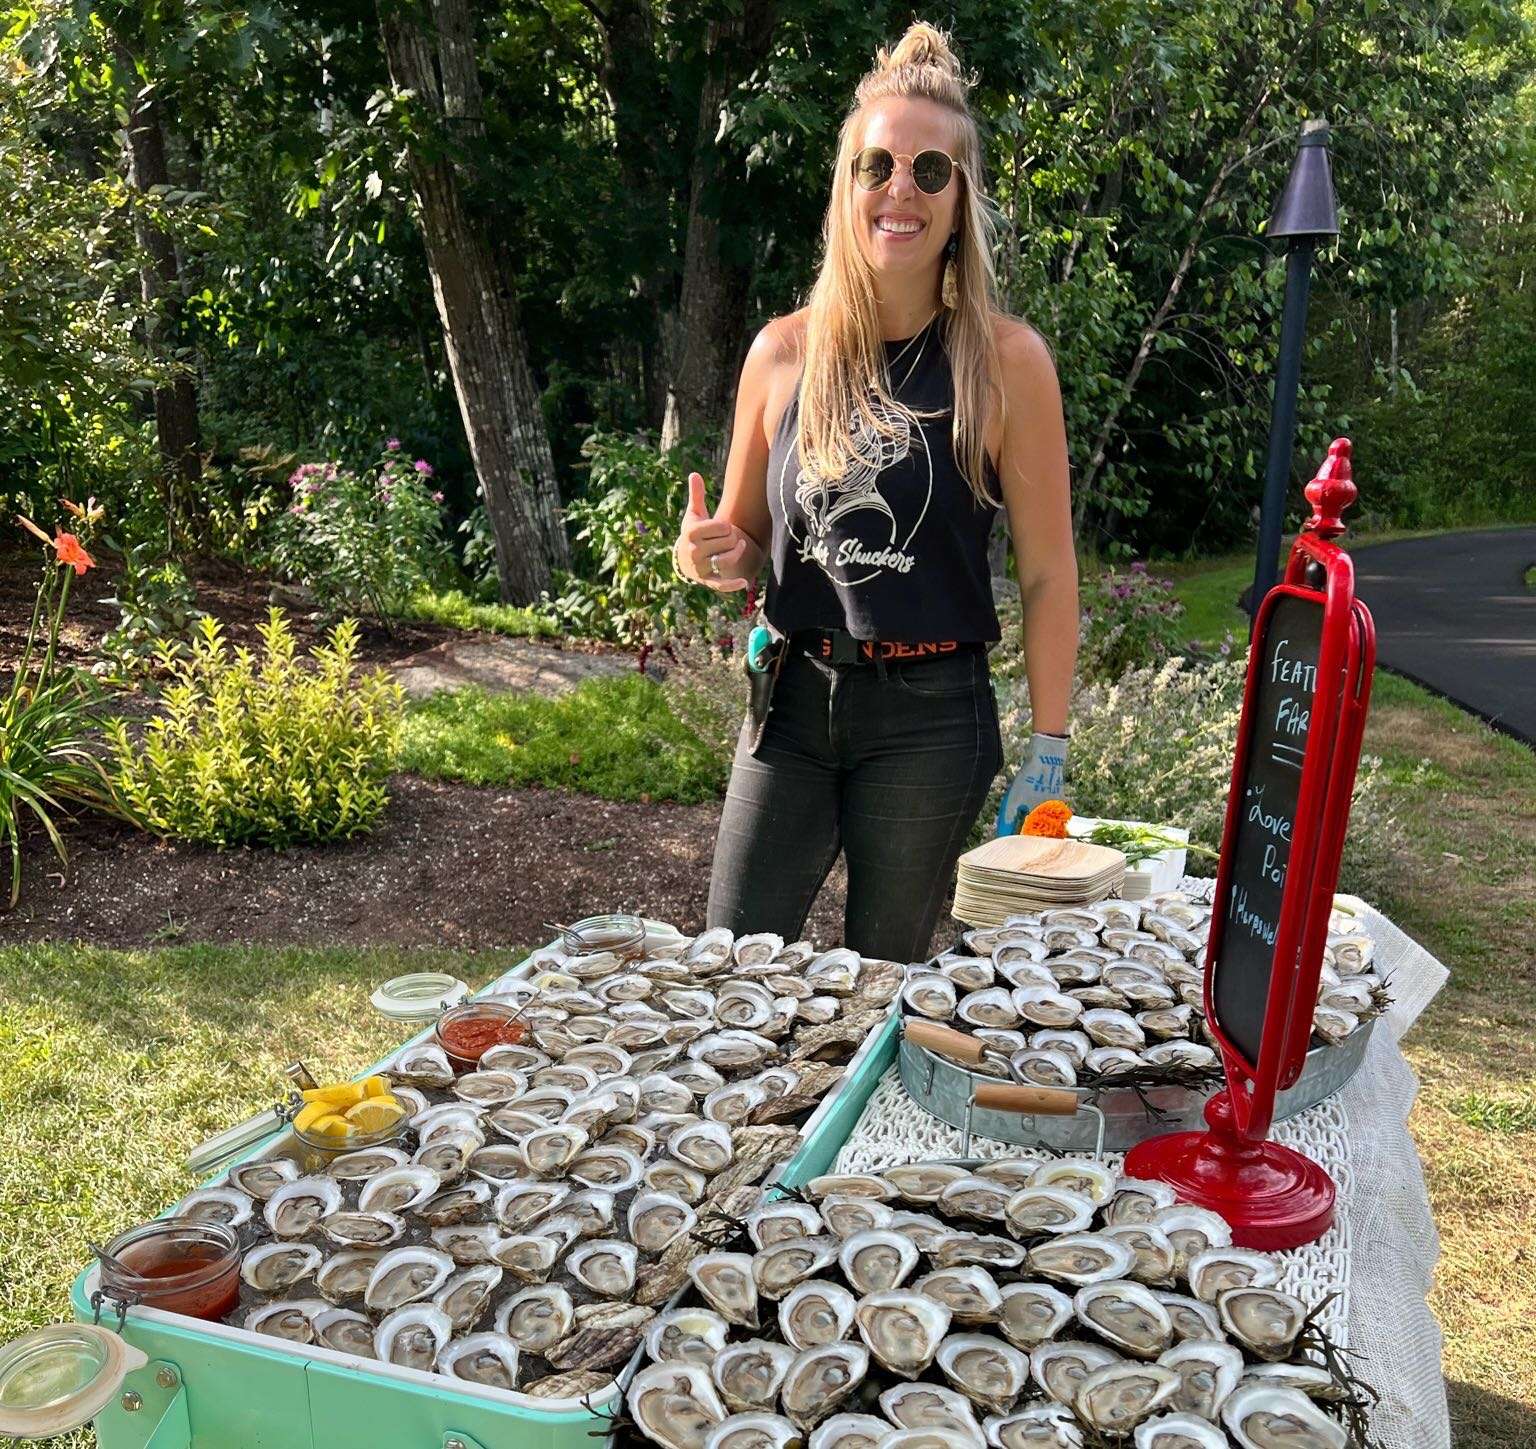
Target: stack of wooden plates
[{"x": 1015, "y": 874}]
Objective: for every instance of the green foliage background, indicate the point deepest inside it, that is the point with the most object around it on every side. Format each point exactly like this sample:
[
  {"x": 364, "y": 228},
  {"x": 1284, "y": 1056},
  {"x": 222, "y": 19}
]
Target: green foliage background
[{"x": 1134, "y": 151}]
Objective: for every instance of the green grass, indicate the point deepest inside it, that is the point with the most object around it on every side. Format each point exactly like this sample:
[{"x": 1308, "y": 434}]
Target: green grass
[
  {"x": 114, "y": 1065},
  {"x": 456, "y": 609},
  {"x": 615, "y": 738}
]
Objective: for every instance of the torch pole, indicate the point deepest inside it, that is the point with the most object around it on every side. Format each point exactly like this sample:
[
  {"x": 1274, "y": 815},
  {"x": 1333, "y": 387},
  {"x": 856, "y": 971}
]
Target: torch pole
[{"x": 1282, "y": 417}]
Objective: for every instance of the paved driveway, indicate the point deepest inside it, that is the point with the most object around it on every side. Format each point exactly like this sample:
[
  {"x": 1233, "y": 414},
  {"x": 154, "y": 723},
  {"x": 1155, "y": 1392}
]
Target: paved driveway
[{"x": 1454, "y": 613}]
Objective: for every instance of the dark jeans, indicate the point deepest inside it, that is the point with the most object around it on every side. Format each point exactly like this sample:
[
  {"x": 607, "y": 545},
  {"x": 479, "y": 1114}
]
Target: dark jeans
[{"x": 891, "y": 770}]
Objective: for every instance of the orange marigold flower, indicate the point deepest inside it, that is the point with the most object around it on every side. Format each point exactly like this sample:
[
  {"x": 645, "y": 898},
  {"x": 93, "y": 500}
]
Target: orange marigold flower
[
  {"x": 1049, "y": 818},
  {"x": 67, "y": 546}
]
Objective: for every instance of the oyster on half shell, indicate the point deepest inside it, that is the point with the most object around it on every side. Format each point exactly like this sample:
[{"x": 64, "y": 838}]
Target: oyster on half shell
[
  {"x": 819, "y": 1379},
  {"x": 986, "y": 1370},
  {"x": 903, "y": 1329},
  {"x": 727, "y": 1284},
  {"x": 748, "y": 1374},
  {"x": 675, "y": 1404},
  {"x": 816, "y": 1312}
]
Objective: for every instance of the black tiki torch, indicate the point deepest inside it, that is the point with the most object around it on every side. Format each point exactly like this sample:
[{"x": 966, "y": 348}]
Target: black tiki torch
[{"x": 1307, "y": 211}]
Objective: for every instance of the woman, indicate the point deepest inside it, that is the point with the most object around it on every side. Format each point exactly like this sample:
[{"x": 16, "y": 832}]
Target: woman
[{"x": 876, "y": 433}]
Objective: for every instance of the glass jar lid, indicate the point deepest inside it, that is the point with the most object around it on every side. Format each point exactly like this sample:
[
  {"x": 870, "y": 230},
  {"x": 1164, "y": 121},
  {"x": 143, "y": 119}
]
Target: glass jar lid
[
  {"x": 58, "y": 1378},
  {"x": 420, "y": 996}
]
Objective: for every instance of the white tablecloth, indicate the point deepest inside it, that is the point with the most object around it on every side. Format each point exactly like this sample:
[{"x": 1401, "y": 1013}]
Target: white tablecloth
[{"x": 1380, "y": 1255}]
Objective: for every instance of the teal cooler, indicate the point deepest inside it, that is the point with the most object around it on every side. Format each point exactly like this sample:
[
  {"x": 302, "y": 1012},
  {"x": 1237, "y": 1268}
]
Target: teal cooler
[{"x": 213, "y": 1386}]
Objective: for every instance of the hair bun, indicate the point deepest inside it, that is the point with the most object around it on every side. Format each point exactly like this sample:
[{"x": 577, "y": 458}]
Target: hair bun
[{"x": 923, "y": 44}]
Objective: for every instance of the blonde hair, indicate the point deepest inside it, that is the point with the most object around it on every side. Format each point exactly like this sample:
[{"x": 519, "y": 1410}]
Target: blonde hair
[{"x": 845, "y": 366}]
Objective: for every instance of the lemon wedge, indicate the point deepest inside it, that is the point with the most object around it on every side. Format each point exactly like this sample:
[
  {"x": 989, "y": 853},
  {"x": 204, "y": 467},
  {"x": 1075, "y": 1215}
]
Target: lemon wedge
[
  {"x": 339, "y": 1095},
  {"x": 375, "y": 1114}
]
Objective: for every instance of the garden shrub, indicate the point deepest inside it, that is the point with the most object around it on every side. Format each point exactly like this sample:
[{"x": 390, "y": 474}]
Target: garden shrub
[
  {"x": 269, "y": 750},
  {"x": 157, "y": 605},
  {"x": 1128, "y": 619},
  {"x": 363, "y": 543},
  {"x": 627, "y": 523},
  {"x": 1157, "y": 744}
]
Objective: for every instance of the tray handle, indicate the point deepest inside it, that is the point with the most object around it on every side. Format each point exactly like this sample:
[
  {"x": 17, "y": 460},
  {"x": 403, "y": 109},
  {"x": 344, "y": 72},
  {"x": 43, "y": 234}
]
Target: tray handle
[
  {"x": 1036, "y": 1101},
  {"x": 945, "y": 1040}
]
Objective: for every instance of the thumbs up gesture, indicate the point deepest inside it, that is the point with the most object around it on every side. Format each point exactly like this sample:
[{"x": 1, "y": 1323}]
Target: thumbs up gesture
[{"x": 709, "y": 550}]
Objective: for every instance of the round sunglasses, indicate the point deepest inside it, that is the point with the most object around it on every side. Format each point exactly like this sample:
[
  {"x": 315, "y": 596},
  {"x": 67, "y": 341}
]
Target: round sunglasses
[{"x": 874, "y": 166}]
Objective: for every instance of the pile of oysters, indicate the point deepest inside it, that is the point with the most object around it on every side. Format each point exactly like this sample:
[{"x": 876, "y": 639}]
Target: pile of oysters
[
  {"x": 1080, "y": 995},
  {"x": 1016, "y": 1303},
  {"x": 537, "y": 1210}
]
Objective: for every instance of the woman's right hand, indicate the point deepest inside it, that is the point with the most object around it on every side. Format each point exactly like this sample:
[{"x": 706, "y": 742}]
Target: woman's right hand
[{"x": 709, "y": 550}]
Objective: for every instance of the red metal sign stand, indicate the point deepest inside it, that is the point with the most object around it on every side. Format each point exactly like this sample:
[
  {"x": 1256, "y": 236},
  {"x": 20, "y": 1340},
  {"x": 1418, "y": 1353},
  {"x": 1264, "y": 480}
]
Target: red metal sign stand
[{"x": 1272, "y": 1196}]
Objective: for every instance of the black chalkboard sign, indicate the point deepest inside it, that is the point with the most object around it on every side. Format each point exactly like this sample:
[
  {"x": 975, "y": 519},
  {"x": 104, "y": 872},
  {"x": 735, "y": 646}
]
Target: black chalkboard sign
[{"x": 1268, "y": 782}]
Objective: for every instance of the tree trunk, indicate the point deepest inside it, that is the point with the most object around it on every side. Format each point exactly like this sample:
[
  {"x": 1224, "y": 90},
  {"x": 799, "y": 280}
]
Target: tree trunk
[
  {"x": 708, "y": 331},
  {"x": 482, "y": 328},
  {"x": 176, "y": 427}
]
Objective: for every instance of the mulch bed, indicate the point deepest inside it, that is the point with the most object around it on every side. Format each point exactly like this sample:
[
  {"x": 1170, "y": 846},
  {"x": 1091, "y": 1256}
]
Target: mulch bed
[
  {"x": 449, "y": 865},
  {"x": 238, "y": 598}
]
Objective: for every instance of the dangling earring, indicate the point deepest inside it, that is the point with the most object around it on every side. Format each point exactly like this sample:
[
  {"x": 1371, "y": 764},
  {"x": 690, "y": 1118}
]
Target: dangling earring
[{"x": 949, "y": 289}]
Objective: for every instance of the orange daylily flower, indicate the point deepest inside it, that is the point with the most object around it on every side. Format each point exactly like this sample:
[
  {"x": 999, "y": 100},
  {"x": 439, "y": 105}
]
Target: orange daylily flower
[
  {"x": 67, "y": 546},
  {"x": 1048, "y": 819}
]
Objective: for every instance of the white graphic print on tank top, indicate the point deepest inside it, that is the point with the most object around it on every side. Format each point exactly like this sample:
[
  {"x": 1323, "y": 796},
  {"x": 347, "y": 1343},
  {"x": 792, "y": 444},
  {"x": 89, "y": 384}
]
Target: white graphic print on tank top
[{"x": 883, "y": 543}]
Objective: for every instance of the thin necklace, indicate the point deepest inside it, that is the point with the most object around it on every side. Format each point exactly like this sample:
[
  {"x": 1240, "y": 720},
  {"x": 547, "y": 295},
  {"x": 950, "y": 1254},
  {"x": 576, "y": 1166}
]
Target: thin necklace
[{"x": 923, "y": 335}]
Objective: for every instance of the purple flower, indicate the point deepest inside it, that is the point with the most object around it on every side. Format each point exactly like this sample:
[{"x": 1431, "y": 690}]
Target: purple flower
[
  {"x": 385, "y": 496},
  {"x": 640, "y": 526},
  {"x": 437, "y": 497},
  {"x": 423, "y": 467},
  {"x": 297, "y": 510},
  {"x": 1121, "y": 591},
  {"x": 1138, "y": 567},
  {"x": 393, "y": 445},
  {"x": 312, "y": 486}
]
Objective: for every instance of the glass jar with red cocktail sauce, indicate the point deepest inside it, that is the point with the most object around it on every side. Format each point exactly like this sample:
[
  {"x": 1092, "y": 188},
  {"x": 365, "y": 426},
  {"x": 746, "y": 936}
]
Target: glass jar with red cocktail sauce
[
  {"x": 467, "y": 1032},
  {"x": 177, "y": 1264}
]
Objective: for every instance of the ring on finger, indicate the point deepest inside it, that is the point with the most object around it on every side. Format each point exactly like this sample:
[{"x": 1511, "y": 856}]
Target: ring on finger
[{"x": 714, "y": 566}]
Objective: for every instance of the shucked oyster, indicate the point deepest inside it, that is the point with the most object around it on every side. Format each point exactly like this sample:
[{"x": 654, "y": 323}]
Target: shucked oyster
[
  {"x": 903, "y": 1329},
  {"x": 820, "y": 1378},
  {"x": 727, "y": 1284},
  {"x": 686, "y": 1335},
  {"x": 294, "y": 1210},
  {"x": 930, "y": 1407},
  {"x": 984, "y": 1369},
  {"x": 748, "y": 1374},
  {"x": 1033, "y": 1313},
  {"x": 675, "y": 1404},
  {"x": 1261, "y": 1417},
  {"x": 1127, "y": 1315},
  {"x": 413, "y": 1336},
  {"x": 537, "y": 1318},
  {"x": 1209, "y": 1371},
  {"x": 406, "y": 1275},
  {"x": 1061, "y": 1366},
  {"x": 1041, "y": 1426},
  {"x": 877, "y": 1260},
  {"x": 1179, "y": 1431},
  {"x": 1262, "y": 1319},
  {"x": 816, "y": 1312},
  {"x": 1116, "y": 1398},
  {"x": 464, "y": 1296},
  {"x": 481, "y": 1358},
  {"x": 274, "y": 1267},
  {"x": 779, "y": 1267}
]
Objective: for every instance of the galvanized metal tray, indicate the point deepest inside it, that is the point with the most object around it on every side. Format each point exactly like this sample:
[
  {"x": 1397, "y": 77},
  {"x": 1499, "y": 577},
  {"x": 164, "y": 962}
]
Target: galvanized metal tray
[
  {"x": 241, "y": 1390},
  {"x": 947, "y": 1090}
]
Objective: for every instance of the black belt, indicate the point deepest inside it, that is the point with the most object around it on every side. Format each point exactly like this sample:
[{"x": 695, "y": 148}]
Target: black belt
[{"x": 837, "y": 646}]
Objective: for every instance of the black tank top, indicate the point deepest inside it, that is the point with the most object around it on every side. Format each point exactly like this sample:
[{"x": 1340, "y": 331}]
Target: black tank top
[{"x": 898, "y": 552}]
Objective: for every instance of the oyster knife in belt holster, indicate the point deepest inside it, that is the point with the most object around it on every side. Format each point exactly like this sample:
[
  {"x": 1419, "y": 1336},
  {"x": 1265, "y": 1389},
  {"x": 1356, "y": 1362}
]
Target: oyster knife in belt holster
[{"x": 764, "y": 659}]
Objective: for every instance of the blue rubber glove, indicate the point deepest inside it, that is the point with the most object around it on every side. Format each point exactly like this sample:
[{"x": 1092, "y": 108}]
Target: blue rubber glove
[{"x": 1040, "y": 778}]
